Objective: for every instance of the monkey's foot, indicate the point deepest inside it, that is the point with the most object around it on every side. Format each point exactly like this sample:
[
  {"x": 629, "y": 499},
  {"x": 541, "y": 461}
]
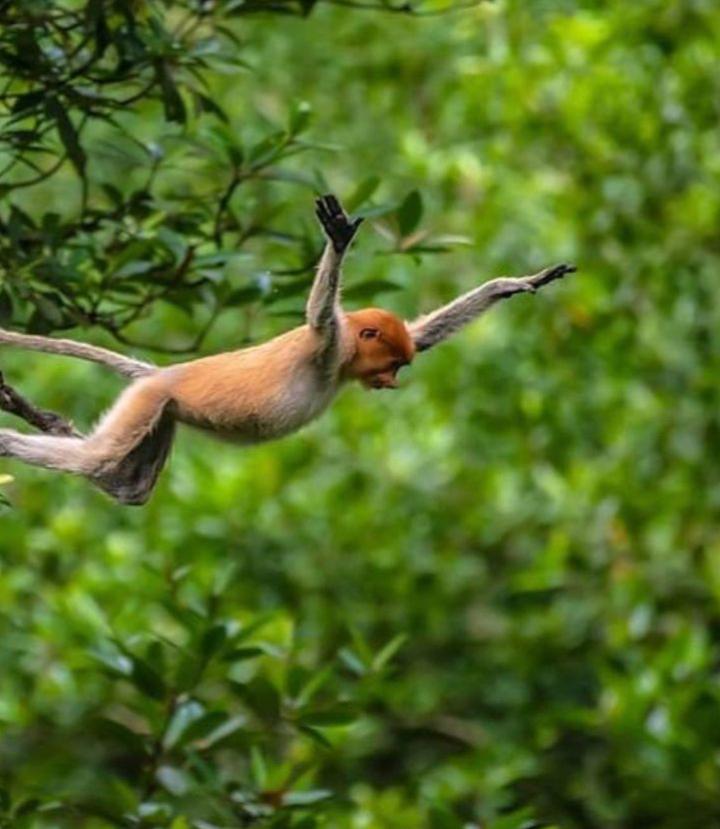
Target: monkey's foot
[{"x": 336, "y": 224}]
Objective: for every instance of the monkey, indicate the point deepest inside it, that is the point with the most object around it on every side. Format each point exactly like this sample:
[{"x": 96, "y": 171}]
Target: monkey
[{"x": 254, "y": 394}]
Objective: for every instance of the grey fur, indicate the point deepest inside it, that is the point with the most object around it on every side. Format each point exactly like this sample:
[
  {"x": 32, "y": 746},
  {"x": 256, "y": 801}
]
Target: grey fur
[
  {"x": 437, "y": 326},
  {"x": 127, "y": 366}
]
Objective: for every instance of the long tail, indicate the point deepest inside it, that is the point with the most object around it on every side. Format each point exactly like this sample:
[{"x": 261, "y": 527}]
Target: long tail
[{"x": 126, "y": 366}]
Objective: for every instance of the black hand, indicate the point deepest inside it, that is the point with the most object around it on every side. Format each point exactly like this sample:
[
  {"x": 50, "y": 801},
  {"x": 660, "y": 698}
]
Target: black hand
[
  {"x": 551, "y": 274},
  {"x": 338, "y": 227}
]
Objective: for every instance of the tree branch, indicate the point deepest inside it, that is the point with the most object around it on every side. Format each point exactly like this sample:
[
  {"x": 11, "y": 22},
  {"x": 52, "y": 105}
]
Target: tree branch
[{"x": 14, "y": 403}]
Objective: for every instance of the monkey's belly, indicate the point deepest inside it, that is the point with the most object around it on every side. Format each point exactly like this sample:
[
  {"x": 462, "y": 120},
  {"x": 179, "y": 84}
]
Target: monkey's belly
[{"x": 243, "y": 423}]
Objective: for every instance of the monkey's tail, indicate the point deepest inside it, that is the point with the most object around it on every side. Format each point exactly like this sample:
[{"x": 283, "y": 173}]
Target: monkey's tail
[{"x": 126, "y": 366}]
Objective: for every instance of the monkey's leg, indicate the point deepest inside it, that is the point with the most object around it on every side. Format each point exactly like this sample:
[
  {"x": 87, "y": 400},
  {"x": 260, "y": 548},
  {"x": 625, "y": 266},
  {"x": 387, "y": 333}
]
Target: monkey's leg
[
  {"x": 123, "y": 455},
  {"x": 65, "y": 453}
]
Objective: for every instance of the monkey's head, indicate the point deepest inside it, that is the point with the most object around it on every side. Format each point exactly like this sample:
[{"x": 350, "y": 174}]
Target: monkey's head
[{"x": 382, "y": 346}]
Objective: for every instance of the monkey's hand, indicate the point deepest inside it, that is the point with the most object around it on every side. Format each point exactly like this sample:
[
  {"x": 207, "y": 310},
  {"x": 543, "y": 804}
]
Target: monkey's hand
[
  {"x": 548, "y": 275},
  {"x": 339, "y": 229},
  {"x": 507, "y": 286}
]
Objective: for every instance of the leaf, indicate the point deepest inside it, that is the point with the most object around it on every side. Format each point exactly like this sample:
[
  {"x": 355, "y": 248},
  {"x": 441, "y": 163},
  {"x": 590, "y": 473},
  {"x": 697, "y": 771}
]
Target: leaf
[
  {"x": 409, "y": 213},
  {"x": 261, "y": 696},
  {"x": 300, "y": 117},
  {"x": 313, "y": 685},
  {"x": 208, "y": 105},
  {"x": 212, "y": 641},
  {"x": 184, "y": 717},
  {"x": 26, "y": 807},
  {"x": 308, "y": 798},
  {"x": 47, "y": 307},
  {"x": 387, "y": 653},
  {"x": 203, "y": 726},
  {"x": 113, "y": 731},
  {"x": 172, "y": 100},
  {"x": 6, "y": 307},
  {"x": 352, "y": 661},
  {"x": 172, "y": 779},
  {"x": 27, "y": 101},
  {"x": 442, "y": 818},
  {"x": 146, "y": 679},
  {"x": 241, "y": 654},
  {"x": 341, "y": 714},
  {"x": 214, "y": 727},
  {"x": 370, "y": 288},
  {"x": 307, "y": 6},
  {"x": 68, "y": 134},
  {"x": 258, "y": 767},
  {"x": 362, "y": 192},
  {"x": 315, "y": 735}
]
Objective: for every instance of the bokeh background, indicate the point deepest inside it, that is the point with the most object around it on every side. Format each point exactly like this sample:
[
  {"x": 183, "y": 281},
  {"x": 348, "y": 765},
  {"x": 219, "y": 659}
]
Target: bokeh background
[{"x": 491, "y": 599}]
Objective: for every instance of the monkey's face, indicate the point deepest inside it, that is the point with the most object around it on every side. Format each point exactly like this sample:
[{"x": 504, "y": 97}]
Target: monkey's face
[{"x": 382, "y": 347}]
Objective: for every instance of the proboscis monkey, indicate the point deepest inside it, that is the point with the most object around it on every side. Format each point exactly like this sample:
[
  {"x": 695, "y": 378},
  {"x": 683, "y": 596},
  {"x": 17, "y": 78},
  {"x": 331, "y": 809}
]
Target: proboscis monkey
[{"x": 254, "y": 394}]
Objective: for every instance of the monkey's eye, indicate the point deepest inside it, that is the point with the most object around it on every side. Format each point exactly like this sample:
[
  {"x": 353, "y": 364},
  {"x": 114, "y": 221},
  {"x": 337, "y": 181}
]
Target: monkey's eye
[{"x": 369, "y": 333}]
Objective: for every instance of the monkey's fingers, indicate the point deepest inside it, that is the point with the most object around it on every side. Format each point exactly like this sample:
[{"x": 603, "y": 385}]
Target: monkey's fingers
[
  {"x": 330, "y": 208},
  {"x": 333, "y": 205},
  {"x": 550, "y": 275}
]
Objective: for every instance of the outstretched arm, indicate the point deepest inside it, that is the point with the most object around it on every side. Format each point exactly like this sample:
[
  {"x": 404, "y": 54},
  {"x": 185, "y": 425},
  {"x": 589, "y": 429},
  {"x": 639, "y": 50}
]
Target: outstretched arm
[
  {"x": 323, "y": 304},
  {"x": 432, "y": 328}
]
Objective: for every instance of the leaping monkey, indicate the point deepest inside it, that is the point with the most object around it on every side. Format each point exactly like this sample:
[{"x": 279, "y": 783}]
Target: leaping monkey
[{"x": 253, "y": 394}]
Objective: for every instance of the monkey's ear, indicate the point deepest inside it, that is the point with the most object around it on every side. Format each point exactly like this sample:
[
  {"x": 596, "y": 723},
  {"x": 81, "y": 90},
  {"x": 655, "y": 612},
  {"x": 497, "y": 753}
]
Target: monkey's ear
[{"x": 369, "y": 333}]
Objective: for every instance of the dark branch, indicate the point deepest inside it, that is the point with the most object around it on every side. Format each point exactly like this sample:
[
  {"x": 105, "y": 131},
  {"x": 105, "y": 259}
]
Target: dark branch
[{"x": 14, "y": 403}]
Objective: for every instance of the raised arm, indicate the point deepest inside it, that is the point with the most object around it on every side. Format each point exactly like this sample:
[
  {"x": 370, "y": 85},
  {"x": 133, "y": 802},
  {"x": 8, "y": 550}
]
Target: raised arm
[
  {"x": 323, "y": 305},
  {"x": 428, "y": 330}
]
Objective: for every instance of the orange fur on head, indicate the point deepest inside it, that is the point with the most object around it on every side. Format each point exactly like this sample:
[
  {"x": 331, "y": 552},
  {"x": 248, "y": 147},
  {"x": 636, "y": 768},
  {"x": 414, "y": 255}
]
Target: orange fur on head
[{"x": 382, "y": 347}]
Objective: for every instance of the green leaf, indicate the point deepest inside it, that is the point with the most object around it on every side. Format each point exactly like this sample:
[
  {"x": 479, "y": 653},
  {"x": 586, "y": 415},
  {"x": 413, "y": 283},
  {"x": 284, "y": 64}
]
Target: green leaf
[
  {"x": 258, "y": 767},
  {"x": 146, "y": 679},
  {"x": 241, "y": 654},
  {"x": 184, "y": 717},
  {"x": 212, "y": 641},
  {"x": 173, "y": 780},
  {"x": 261, "y": 696},
  {"x": 442, "y": 818},
  {"x": 352, "y": 661},
  {"x": 207, "y": 104},
  {"x": 364, "y": 291},
  {"x": 68, "y": 134},
  {"x": 362, "y": 192},
  {"x": 213, "y": 727},
  {"x": 172, "y": 99},
  {"x": 409, "y": 213},
  {"x": 387, "y": 653},
  {"x": 6, "y": 307},
  {"x": 300, "y": 117},
  {"x": 341, "y": 714},
  {"x": 315, "y": 735},
  {"x": 26, "y": 807},
  {"x": 308, "y": 798}
]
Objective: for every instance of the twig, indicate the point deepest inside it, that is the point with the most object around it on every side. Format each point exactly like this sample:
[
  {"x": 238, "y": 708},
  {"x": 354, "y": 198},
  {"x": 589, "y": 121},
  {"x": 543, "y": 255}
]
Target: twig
[{"x": 14, "y": 403}]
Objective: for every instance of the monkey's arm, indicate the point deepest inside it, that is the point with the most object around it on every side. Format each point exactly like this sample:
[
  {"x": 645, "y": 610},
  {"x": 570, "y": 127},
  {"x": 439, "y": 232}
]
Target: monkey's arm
[
  {"x": 323, "y": 304},
  {"x": 432, "y": 328}
]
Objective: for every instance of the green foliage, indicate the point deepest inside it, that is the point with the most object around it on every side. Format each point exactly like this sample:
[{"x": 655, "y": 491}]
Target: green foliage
[{"x": 491, "y": 599}]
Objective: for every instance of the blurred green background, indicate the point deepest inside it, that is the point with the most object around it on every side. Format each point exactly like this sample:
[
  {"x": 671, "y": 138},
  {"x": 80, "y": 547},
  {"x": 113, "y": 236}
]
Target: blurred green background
[{"x": 491, "y": 599}]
